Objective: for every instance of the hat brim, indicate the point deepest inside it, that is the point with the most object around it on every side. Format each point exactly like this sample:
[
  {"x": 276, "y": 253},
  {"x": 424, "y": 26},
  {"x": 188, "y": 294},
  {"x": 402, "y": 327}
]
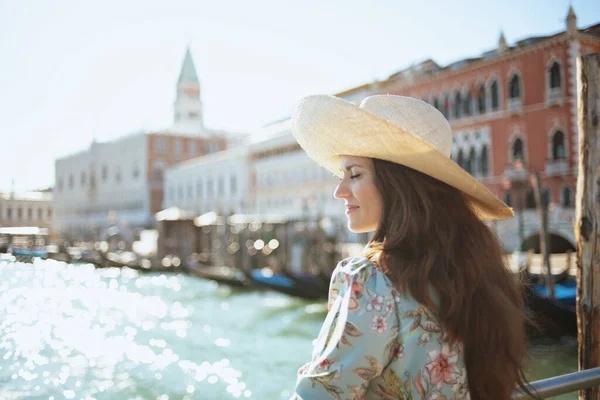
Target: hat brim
[{"x": 327, "y": 127}]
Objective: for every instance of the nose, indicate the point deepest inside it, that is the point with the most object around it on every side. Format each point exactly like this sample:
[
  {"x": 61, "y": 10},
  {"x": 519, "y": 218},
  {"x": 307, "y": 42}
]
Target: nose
[{"x": 341, "y": 191}]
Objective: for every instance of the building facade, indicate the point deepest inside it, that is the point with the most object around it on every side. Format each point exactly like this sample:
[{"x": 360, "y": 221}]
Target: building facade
[
  {"x": 216, "y": 182},
  {"x": 31, "y": 209},
  {"x": 513, "y": 113},
  {"x": 122, "y": 182}
]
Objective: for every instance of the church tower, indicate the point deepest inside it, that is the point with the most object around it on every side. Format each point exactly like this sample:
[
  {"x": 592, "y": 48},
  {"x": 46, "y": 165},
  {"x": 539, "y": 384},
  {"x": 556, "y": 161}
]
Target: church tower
[{"x": 188, "y": 106}]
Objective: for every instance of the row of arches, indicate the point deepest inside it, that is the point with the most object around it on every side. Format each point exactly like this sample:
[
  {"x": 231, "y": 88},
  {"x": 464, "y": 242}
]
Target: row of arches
[{"x": 481, "y": 98}]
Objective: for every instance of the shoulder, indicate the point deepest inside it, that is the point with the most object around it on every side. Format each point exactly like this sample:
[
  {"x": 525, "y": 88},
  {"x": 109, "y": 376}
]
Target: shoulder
[{"x": 358, "y": 273}]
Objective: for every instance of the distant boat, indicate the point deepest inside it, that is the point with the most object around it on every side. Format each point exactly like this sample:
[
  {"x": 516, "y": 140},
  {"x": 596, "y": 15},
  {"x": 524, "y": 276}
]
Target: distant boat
[
  {"x": 230, "y": 276},
  {"x": 305, "y": 286},
  {"x": 556, "y": 315}
]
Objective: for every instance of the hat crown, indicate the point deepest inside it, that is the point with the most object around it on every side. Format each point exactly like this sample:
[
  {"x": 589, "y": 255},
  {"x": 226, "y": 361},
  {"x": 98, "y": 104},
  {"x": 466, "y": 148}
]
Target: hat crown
[{"x": 413, "y": 116}]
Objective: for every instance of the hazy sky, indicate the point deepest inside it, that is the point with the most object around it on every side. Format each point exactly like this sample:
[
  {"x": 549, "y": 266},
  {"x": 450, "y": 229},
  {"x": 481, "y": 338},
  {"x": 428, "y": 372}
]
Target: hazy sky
[{"x": 71, "y": 71}]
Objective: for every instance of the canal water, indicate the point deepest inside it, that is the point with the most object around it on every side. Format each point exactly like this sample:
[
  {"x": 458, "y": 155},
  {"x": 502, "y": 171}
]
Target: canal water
[{"x": 76, "y": 332}]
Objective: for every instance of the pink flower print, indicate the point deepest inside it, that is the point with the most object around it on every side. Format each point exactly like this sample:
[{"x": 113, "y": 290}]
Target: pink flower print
[
  {"x": 379, "y": 324},
  {"x": 389, "y": 307},
  {"x": 375, "y": 303},
  {"x": 325, "y": 364},
  {"x": 442, "y": 367}
]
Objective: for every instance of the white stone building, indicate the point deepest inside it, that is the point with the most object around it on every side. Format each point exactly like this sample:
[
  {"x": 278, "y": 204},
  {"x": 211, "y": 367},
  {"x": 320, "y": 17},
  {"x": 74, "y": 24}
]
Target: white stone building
[
  {"x": 26, "y": 209},
  {"x": 121, "y": 182},
  {"x": 215, "y": 182}
]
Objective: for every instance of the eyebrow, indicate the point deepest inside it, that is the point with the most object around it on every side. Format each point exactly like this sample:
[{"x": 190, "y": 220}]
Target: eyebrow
[{"x": 349, "y": 167}]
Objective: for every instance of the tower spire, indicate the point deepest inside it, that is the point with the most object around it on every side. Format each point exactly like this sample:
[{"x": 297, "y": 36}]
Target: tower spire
[{"x": 188, "y": 105}]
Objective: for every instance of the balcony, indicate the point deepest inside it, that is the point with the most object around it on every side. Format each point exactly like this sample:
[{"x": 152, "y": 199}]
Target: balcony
[
  {"x": 515, "y": 105},
  {"x": 554, "y": 96},
  {"x": 514, "y": 173},
  {"x": 557, "y": 167}
]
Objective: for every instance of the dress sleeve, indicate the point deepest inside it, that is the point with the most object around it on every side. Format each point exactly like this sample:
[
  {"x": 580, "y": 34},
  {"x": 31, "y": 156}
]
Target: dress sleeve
[{"x": 357, "y": 340}]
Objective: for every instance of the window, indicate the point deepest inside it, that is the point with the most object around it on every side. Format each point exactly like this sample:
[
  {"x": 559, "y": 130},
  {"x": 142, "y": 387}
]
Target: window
[
  {"x": 446, "y": 108},
  {"x": 558, "y": 146},
  {"x": 9, "y": 213},
  {"x": 104, "y": 173},
  {"x": 158, "y": 169},
  {"x": 481, "y": 100},
  {"x": 199, "y": 189},
  {"x": 59, "y": 185},
  {"x": 71, "y": 181},
  {"x": 29, "y": 213},
  {"x": 82, "y": 178},
  {"x": 515, "y": 87},
  {"x": 49, "y": 213},
  {"x": 517, "y": 150},
  {"x": 460, "y": 159},
  {"x": 118, "y": 176},
  {"x": 546, "y": 197},
  {"x": 471, "y": 162},
  {"x": 19, "y": 213},
  {"x": 209, "y": 188},
  {"x": 192, "y": 147},
  {"x": 40, "y": 213},
  {"x": 457, "y": 105},
  {"x": 233, "y": 184},
  {"x": 483, "y": 161},
  {"x": 508, "y": 199},
  {"x": 495, "y": 96},
  {"x": 555, "y": 76},
  {"x": 190, "y": 191},
  {"x": 467, "y": 104},
  {"x": 161, "y": 144},
  {"x": 566, "y": 197},
  {"x": 220, "y": 186},
  {"x": 530, "y": 199},
  {"x": 436, "y": 103},
  {"x": 136, "y": 172},
  {"x": 178, "y": 145}
]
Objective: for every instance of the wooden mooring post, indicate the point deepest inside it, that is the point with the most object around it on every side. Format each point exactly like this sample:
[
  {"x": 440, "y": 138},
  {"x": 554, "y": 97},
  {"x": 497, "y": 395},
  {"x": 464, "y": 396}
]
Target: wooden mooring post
[{"x": 588, "y": 218}]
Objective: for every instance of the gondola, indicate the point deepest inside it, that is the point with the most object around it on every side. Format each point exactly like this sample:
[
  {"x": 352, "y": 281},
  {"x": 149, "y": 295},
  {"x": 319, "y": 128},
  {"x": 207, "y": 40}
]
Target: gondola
[
  {"x": 305, "y": 286},
  {"x": 555, "y": 316},
  {"x": 230, "y": 276}
]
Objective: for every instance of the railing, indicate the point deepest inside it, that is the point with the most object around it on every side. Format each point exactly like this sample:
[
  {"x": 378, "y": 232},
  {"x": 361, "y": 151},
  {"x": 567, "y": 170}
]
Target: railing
[{"x": 562, "y": 384}]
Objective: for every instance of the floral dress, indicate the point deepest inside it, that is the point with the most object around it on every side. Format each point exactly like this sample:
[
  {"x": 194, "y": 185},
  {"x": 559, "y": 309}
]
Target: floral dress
[{"x": 378, "y": 344}]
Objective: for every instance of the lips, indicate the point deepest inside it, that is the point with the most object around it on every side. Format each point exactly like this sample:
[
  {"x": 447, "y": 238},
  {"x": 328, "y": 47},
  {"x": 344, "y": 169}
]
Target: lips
[{"x": 349, "y": 209}]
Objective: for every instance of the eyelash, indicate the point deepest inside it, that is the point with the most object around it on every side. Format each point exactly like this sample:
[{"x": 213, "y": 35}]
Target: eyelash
[{"x": 351, "y": 177}]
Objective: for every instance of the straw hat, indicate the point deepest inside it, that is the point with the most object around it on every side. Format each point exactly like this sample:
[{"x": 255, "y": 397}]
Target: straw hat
[{"x": 399, "y": 129}]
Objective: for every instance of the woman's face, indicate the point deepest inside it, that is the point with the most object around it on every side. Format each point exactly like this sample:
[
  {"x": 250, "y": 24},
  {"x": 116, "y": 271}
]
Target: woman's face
[{"x": 361, "y": 197}]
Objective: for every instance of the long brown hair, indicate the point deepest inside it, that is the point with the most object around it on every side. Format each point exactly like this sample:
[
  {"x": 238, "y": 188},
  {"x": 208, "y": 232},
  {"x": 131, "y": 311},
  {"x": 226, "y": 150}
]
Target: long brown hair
[{"x": 428, "y": 235}]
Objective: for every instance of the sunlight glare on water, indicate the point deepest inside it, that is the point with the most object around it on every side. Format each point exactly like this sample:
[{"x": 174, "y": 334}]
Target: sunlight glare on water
[{"x": 77, "y": 332}]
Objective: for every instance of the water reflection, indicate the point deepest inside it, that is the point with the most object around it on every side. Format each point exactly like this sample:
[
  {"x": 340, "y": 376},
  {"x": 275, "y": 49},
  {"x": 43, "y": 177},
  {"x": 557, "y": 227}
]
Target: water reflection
[{"x": 79, "y": 332}]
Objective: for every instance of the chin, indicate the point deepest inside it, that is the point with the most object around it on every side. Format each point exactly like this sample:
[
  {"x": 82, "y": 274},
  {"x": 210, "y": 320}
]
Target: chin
[{"x": 360, "y": 228}]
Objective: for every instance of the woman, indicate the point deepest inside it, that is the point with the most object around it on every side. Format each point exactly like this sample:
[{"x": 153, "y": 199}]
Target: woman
[{"x": 430, "y": 310}]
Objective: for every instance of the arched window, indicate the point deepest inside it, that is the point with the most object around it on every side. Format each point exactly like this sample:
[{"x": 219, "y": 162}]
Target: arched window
[
  {"x": 515, "y": 87},
  {"x": 517, "y": 150},
  {"x": 508, "y": 199},
  {"x": 481, "y": 100},
  {"x": 457, "y": 105},
  {"x": 471, "y": 162},
  {"x": 558, "y": 146},
  {"x": 468, "y": 104},
  {"x": 71, "y": 181},
  {"x": 436, "y": 103},
  {"x": 530, "y": 199},
  {"x": 460, "y": 159},
  {"x": 567, "y": 201},
  {"x": 555, "y": 76},
  {"x": 495, "y": 95},
  {"x": 483, "y": 161},
  {"x": 446, "y": 107},
  {"x": 546, "y": 197},
  {"x": 104, "y": 173},
  {"x": 82, "y": 178}
]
